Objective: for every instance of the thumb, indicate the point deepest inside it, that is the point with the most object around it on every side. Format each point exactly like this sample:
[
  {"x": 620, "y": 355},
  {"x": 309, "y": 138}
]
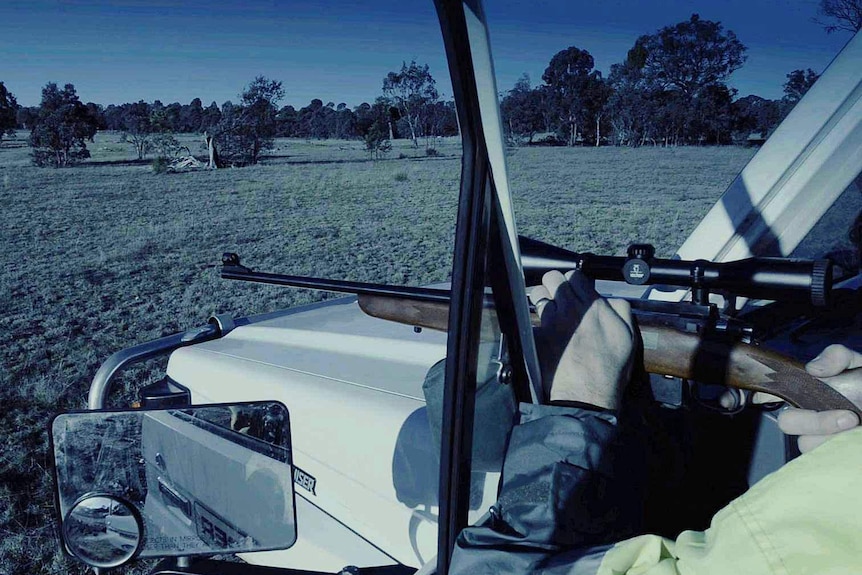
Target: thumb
[{"x": 833, "y": 360}]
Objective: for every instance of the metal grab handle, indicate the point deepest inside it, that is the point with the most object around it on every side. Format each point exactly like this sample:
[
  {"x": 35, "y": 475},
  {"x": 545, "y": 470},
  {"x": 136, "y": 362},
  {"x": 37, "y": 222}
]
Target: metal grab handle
[{"x": 100, "y": 387}]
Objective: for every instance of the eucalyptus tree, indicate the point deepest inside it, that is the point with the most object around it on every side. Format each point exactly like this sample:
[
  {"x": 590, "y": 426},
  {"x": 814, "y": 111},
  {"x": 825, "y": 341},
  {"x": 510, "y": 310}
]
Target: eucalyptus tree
[
  {"x": 798, "y": 83},
  {"x": 522, "y": 111},
  {"x": 245, "y": 129},
  {"x": 62, "y": 128},
  {"x": 8, "y": 112},
  {"x": 571, "y": 82},
  {"x": 843, "y": 15},
  {"x": 412, "y": 90},
  {"x": 673, "y": 76}
]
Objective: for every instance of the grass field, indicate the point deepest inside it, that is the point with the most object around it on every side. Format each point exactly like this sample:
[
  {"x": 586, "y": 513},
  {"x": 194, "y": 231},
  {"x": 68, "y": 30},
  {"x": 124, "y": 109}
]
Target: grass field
[{"x": 109, "y": 254}]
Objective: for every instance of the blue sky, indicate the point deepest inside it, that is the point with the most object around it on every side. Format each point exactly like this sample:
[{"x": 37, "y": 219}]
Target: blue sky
[{"x": 340, "y": 50}]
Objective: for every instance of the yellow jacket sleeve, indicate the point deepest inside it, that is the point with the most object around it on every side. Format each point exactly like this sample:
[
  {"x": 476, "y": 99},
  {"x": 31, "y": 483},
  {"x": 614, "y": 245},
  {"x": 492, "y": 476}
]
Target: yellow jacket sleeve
[{"x": 806, "y": 518}]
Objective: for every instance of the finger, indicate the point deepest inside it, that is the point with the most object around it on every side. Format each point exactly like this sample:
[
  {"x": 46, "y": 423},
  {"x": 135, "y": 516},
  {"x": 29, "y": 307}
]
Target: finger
[
  {"x": 624, "y": 310},
  {"x": 539, "y": 293},
  {"x": 541, "y": 298},
  {"x": 761, "y": 397},
  {"x": 808, "y": 442},
  {"x": 806, "y": 422},
  {"x": 562, "y": 294},
  {"x": 588, "y": 283},
  {"x": 582, "y": 286},
  {"x": 552, "y": 281},
  {"x": 833, "y": 360}
]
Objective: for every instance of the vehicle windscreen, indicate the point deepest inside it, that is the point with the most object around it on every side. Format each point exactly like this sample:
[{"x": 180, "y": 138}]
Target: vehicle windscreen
[{"x": 838, "y": 234}]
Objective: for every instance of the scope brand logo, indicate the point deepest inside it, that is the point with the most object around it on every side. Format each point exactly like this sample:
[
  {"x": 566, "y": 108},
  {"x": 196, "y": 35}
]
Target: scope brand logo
[{"x": 636, "y": 271}]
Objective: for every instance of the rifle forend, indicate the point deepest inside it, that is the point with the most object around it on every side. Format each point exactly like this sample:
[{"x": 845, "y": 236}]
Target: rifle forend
[{"x": 700, "y": 356}]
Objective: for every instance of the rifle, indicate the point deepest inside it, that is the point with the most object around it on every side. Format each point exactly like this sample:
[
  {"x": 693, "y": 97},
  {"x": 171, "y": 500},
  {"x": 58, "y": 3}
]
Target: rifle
[{"x": 687, "y": 340}]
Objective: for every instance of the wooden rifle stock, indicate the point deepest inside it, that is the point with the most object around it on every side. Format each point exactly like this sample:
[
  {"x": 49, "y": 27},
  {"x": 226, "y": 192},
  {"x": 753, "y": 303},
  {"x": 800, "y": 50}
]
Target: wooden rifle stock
[{"x": 667, "y": 351}]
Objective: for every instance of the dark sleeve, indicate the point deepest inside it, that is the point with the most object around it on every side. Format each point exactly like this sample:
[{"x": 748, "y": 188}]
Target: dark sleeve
[{"x": 566, "y": 492}]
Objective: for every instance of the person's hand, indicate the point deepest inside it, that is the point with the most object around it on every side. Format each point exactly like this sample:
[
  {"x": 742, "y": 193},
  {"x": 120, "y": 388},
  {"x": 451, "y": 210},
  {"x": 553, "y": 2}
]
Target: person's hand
[
  {"x": 837, "y": 366},
  {"x": 584, "y": 343}
]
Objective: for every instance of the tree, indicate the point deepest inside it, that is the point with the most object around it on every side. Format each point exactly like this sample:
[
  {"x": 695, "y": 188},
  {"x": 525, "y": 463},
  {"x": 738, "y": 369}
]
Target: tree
[
  {"x": 138, "y": 127},
  {"x": 8, "y": 112},
  {"x": 688, "y": 56},
  {"x": 628, "y": 104},
  {"x": 27, "y": 116},
  {"x": 259, "y": 101},
  {"x": 248, "y": 128},
  {"x": 191, "y": 116},
  {"x": 166, "y": 145},
  {"x": 373, "y": 126},
  {"x": 344, "y": 122},
  {"x": 670, "y": 79},
  {"x": 442, "y": 119},
  {"x": 599, "y": 91},
  {"x": 522, "y": 111},
  {"x": 411, "y": 91},
  {"x": 62, "y": 128},
  {"x": 286, "y": 122},
  {"x": 844, "y": 15},
  {"x": 97, "y": 112},
  {"x": 113, "y": 116},
  {"x": 570, "y": 77},
  {"x": 753, "y": 114},
  {"x": 797, "y": 84},
  {"x": 312, "y": 120},
  {"x": 711, "y": 115},
  {"x": 377, "y": 142},
  {"x": 210, "y": 118}
]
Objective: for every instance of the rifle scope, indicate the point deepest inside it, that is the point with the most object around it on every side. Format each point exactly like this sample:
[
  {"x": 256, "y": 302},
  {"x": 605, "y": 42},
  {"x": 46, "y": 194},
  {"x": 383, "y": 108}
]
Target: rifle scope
[{"x": 779, "y": 279}]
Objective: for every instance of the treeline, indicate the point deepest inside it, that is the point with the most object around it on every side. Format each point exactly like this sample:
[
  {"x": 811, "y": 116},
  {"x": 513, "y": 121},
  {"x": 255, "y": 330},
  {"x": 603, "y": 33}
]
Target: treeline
[
  {"x": 670, "y": 90},
  {"x": 314, "y": 121},
  {"x": 235, "y": 133}
]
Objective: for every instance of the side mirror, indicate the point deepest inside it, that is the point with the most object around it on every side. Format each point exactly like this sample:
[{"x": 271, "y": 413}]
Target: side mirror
[{"x": 196, "y": 480}]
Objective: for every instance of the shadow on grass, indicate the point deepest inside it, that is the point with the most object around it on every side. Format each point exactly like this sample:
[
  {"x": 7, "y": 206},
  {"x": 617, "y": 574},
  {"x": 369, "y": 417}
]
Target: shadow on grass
[{"x": 116, "y": 163}]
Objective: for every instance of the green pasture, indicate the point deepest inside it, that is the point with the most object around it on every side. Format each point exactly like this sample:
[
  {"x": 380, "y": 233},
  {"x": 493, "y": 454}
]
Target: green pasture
[{"x": 108, "y": 254}]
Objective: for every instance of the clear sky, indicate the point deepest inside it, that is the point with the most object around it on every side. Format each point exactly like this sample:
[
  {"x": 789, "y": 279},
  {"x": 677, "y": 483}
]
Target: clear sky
[{"x": 340, "y": 50}]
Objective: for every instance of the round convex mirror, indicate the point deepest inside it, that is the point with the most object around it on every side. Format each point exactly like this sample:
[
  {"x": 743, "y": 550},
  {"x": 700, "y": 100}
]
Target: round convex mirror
[{"x": 103, "y": 530}]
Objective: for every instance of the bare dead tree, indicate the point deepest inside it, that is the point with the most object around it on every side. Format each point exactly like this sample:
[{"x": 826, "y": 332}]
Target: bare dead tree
[
  {"x": 841, "y": 15},
  {"x": 212, "y": 150}
]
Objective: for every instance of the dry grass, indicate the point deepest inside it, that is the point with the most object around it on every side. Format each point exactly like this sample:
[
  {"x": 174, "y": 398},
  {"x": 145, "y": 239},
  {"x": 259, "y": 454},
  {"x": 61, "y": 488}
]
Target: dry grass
[{"x": 108, "y": 254}]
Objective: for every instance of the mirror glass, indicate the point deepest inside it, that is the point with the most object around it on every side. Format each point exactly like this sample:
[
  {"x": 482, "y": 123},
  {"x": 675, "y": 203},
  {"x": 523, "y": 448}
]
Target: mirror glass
[
  {"x": 204, "y": 479},
  {"x": 102, "y": 530}
]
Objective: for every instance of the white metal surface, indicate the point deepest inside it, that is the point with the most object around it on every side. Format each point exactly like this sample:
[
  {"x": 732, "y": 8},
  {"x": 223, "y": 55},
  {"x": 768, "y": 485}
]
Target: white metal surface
[{"x": 350, "y": 383}]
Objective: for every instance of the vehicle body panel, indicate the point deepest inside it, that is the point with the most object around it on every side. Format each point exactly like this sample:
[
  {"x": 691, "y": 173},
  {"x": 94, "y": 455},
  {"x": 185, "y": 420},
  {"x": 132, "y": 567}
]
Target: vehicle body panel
[{"x": 348, "y": 420}]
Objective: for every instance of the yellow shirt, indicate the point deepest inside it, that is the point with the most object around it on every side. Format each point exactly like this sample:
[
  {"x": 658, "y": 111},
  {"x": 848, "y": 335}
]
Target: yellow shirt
[{"x": 806, "y": 518}]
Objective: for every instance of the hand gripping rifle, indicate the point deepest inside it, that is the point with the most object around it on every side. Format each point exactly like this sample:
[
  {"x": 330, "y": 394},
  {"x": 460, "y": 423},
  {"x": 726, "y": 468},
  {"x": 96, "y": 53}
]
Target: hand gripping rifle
[{"x": 690, "y": 340}]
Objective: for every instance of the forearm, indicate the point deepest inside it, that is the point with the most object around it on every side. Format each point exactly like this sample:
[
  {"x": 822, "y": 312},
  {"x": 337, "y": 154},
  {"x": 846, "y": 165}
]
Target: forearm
[
  {"x": 561, "y": 479},
  {"x": 560, "y": 491}
]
